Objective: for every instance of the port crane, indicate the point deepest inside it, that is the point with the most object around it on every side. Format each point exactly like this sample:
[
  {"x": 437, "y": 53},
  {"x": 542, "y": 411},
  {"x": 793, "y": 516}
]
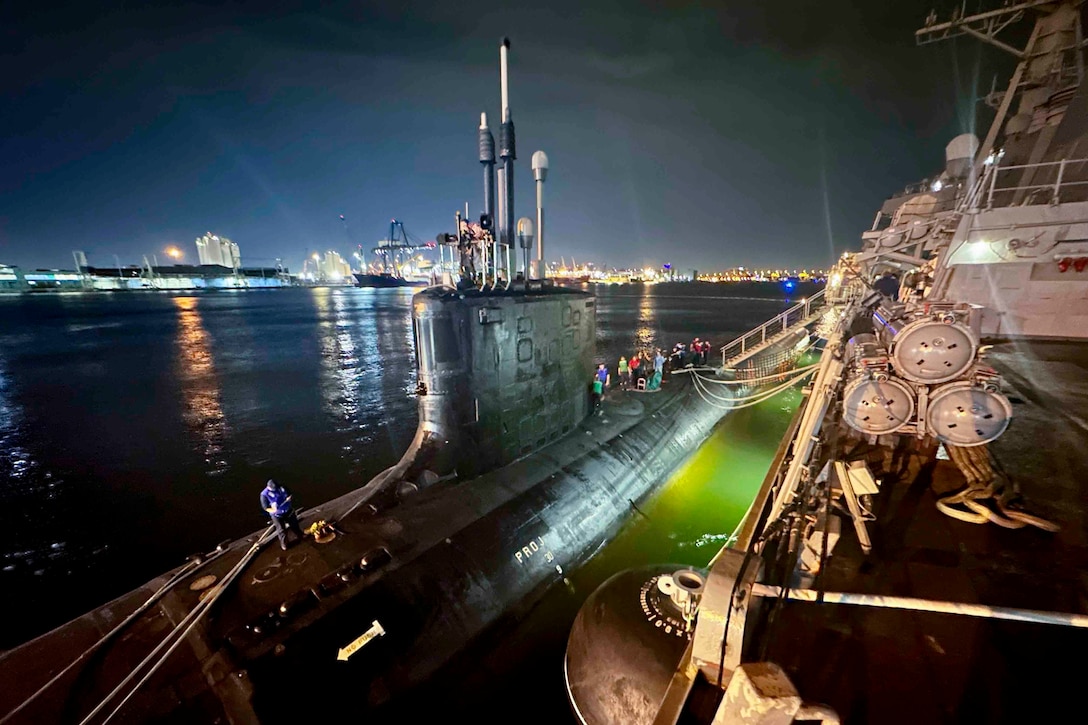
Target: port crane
[{"x": 389, "y": 250}]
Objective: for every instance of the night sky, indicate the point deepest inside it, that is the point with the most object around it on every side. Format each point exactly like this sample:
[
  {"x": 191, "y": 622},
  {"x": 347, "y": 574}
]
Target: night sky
[{"x": 705, "y": 135}]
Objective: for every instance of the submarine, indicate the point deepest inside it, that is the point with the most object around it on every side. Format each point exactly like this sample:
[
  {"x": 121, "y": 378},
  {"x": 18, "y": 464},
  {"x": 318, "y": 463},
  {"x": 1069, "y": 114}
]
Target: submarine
[{"x": 512, "y": 479}]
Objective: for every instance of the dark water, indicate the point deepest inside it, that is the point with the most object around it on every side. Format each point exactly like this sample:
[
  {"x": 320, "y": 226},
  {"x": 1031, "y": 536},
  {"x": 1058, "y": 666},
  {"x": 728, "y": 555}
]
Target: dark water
[{"x": 136, "y": 429}]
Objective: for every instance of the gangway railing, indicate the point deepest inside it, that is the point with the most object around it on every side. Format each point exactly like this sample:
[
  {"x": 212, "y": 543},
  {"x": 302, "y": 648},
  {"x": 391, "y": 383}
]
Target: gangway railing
[{"x": 774, "y": 329}]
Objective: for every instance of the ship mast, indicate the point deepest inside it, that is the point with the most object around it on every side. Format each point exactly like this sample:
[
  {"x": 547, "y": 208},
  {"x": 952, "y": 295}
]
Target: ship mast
[{"x": 1038, "y": 58}]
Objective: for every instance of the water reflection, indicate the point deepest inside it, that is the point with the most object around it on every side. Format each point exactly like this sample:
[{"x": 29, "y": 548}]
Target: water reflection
[
  {"x": 341, "y": 372},
  {"x": 646, "y": 326},
  {"x": 367, "y": 369},
  {"x": 203, "y": 411},
  {"x": 16, "y": 462}
]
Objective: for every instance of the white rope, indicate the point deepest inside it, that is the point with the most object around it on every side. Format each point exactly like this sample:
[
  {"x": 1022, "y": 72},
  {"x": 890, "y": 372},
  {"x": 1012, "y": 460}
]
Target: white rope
[
  {"x": 760, "y": 379},
  {"x": 760, "y": 394},
  {"x": 754, "y": 400},
  {"x": 769, "y": 394}
]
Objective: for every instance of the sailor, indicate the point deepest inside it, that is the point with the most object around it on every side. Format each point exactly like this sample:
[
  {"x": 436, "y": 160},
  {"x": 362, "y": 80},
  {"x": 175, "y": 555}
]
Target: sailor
[
  {"x": 598, "y": 391},
  {"x": 276, "y": 500},
  {"x": 678, "y": 355},
  {"x": 635, "y": 364},
  {"x": 601, "y": 379},
  {"x": 888, "y": 285}
]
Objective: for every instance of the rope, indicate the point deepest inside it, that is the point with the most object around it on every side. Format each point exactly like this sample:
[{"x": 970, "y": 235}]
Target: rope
[
  {"x": 755, "y": 399},
  {"x": 762, "y": 394},
  {"x": 185, "y": 571},
  {"x": 760, "y": 379},
  {"x": 190, "y": 621},
  {"x": 987, "y": 497}
]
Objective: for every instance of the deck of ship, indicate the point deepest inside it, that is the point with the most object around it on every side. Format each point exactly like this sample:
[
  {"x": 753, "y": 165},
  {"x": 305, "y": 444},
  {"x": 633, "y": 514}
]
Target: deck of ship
[{"x": 896, "y": 666}]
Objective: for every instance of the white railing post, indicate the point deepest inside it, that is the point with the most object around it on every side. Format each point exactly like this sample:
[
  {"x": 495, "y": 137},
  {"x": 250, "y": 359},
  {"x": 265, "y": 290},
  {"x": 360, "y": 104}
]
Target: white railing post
[
  {"x": 993, "y": 183},
  {"x": 1056, "y": 199}
]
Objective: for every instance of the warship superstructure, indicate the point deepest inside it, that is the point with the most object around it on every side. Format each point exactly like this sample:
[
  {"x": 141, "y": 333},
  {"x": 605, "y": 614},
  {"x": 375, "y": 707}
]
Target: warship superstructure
[{"x": 916, "y": 553}]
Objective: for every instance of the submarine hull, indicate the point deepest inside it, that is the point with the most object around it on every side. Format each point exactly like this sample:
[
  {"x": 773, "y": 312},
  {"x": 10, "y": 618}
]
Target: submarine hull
[{"x": 503, "y": 559}]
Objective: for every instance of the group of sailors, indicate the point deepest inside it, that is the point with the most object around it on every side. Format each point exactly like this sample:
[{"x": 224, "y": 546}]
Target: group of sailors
[
  {"x": 695, "y": 354},
  {"x": 649, "y": 368},
  {"x": 644, "y": 371}
]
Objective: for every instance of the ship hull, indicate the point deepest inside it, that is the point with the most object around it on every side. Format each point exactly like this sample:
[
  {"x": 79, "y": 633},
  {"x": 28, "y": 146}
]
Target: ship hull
[{"x": 384, "y": 280}]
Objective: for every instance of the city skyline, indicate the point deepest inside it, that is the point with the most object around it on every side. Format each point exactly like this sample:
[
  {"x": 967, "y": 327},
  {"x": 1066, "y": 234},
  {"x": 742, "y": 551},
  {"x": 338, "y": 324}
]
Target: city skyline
[{"x": 707, "y": 137}]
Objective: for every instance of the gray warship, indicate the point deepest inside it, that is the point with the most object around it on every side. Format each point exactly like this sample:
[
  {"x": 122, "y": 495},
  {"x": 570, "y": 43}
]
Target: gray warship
[
  {"x": 916, "y": 552},
  {"x": 509, "y": 482}
]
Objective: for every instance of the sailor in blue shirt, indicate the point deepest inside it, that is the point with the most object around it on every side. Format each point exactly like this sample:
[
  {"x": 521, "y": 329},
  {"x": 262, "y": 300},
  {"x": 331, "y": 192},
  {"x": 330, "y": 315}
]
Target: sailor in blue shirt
[{"x": 276, "y": 500}]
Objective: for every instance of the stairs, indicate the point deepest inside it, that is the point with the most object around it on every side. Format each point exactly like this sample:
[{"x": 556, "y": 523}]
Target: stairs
[{"x": 772, "y": 331}]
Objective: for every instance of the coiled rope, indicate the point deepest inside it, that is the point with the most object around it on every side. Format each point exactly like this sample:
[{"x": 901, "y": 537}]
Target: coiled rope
[{"x": 988, "y": 496}]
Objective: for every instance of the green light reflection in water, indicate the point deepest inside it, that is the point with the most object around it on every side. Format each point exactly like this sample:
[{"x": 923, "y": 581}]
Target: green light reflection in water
[{"x": 693, "y": 514}]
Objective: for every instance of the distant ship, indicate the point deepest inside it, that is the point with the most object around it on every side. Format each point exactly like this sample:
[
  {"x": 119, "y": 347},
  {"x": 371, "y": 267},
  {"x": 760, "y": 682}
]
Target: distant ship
[
  {"x": 396, "y": 265},
  {"x": 907, "y": 560},
  {"x": 386, "y": 279}
]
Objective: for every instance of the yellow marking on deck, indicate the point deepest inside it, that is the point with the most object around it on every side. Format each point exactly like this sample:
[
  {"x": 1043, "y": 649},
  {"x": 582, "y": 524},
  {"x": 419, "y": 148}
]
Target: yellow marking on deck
[{"x": 375, "y": 630}]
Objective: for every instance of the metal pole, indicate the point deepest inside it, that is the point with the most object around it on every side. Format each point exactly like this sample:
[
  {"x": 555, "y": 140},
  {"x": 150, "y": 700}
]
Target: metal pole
[
  {"x": 509, "y": 264},
  {"x": 823, "y": 388},
  {"x": 498, "y": 233},
  {"x": 538, "y": 264},
  {"x": 487, "y": 158},
  {"x": 924, "y": 605},
  {"x": 540, "y": 173},
  {"x": 1058, "y": 183},
  {"x": 507, "y": 151}
]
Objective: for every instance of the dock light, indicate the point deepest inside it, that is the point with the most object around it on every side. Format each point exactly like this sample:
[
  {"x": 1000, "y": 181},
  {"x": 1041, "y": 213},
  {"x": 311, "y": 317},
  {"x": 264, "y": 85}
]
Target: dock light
[{"x": 173, "y": 252}]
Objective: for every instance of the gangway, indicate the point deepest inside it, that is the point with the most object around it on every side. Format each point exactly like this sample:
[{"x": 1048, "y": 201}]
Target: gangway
[{"x": 773, "y": 330}]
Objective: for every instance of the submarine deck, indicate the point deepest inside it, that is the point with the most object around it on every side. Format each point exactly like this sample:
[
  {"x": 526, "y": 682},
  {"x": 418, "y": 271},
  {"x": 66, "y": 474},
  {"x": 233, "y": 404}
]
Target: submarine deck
[
  {"x": 180, "y": 689},
  {"x": 896, "y": 666}
]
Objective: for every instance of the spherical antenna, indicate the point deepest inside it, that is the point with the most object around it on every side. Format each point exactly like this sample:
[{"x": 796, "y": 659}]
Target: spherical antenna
[
  {"x": 525, "y": 232},
  {"x": 540, "y": 165}
]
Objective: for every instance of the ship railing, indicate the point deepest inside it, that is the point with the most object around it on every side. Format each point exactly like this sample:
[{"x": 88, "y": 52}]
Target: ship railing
[
  {"x": 773, "y": 329},
  {"x": 1046, "y": 181}
]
